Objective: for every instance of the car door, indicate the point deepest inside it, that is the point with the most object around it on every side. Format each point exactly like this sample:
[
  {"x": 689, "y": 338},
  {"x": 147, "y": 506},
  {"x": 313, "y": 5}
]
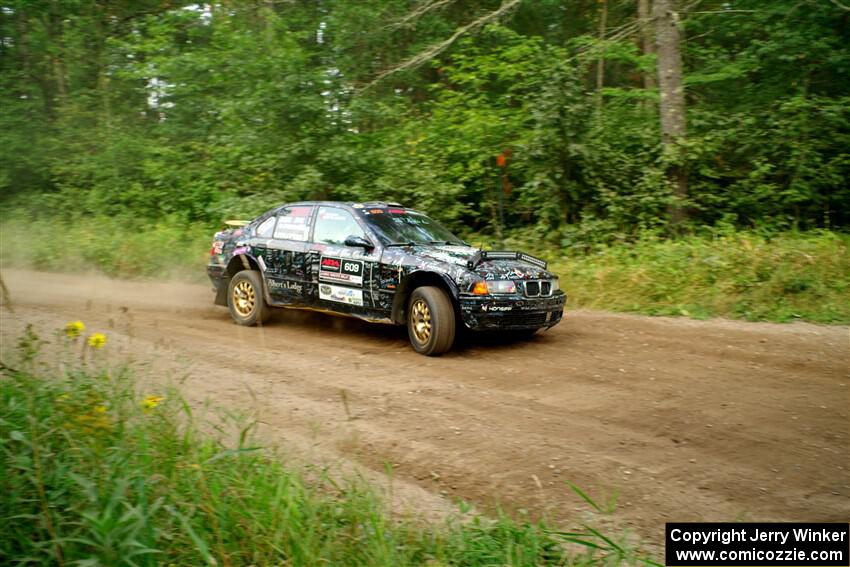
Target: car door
[
  {"x": 343, "y": 275},
  {"x": 286, "y": 259}
]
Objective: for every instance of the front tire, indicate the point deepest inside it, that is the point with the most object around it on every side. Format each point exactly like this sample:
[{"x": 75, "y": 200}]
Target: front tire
[
  {"x": 245, "y": 299},
  {"x": 430, "y": 321}
]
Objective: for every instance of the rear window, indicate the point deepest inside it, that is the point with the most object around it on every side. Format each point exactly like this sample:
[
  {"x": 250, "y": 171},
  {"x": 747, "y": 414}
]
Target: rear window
[
  {"x": 266, "y": 228},
  {"x": 293, "y": 223}
]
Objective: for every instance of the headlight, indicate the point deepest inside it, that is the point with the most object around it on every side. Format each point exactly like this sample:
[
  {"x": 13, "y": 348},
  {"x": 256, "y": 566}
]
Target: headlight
[
  {"x": 502, "y": 286},
  {"x": 493, "y": 287},
  {"x": 556, "y": 285}
]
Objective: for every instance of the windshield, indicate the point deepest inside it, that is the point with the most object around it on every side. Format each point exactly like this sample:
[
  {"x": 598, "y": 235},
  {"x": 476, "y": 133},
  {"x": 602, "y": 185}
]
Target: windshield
[{"x": 402, "y": 226}]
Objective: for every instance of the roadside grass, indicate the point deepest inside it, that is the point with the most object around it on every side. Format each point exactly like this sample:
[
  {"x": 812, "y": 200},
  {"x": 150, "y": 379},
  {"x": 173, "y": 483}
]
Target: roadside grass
[
  {"x": 746, "y": 275},
  {"x": 98, "y": 471},
  {"x": 116, "y": 246},
  {"x": 752, "y": 276}
]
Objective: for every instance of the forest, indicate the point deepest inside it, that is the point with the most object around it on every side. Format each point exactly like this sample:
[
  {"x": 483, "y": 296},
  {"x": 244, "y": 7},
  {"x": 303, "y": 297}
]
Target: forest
[{"x": 571, "y": 125}]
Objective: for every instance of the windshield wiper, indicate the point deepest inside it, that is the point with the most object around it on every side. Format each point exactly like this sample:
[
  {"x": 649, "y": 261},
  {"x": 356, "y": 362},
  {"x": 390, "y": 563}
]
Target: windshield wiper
[
  {"x": 447, "y": 242},
  {"x": 401, "y": 244}
]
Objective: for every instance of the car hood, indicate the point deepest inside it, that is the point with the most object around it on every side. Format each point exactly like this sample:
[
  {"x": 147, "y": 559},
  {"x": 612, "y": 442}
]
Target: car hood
[{"x": 457, "y": 256}]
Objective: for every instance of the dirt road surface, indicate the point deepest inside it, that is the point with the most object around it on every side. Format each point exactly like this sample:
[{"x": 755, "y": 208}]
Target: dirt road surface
[{"x": 682, "y": 420}]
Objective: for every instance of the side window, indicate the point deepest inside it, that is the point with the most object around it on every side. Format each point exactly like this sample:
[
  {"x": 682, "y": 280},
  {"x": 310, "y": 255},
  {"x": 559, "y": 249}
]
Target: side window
[
  {"x": 293, "y": 223},
  {"x": 266, "y": 228},
  {"x": 334, "y": 225}
]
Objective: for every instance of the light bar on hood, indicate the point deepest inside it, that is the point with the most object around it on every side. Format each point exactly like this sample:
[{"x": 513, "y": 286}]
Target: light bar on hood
[{"x": 482, "y": 255}]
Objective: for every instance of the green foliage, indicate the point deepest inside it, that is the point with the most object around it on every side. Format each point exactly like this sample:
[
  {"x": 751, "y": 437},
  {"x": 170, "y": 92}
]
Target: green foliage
[
  {"x": 99, "y": 471},
  {"x": 798, "y": 176},
  {"x": 204, "y": 111}
]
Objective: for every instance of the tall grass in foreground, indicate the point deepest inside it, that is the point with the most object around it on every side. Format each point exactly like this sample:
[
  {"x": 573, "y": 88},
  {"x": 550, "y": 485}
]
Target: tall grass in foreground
[{"x": 96, "y": 472}]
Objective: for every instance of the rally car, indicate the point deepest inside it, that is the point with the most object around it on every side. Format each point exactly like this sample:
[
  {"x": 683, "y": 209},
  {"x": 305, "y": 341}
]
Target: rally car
[{"x": 383, "y": 263}]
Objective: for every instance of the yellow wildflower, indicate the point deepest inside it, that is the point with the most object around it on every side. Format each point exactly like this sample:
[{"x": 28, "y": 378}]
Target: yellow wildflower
[
  {"x": 73, "y": 329},
  {"x": 97, "y": 340},
  {"x": 92, "y": 422},
  {"x": 151, "y": 402}
]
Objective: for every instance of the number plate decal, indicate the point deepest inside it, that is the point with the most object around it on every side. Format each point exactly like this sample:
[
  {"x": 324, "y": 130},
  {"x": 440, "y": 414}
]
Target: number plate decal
[{"x": 341, "y": 270}]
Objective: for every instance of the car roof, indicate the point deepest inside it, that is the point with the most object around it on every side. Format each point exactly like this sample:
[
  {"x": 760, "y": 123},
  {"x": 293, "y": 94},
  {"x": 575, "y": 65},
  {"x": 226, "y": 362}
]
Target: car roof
[{"x": 354, "y": 204}]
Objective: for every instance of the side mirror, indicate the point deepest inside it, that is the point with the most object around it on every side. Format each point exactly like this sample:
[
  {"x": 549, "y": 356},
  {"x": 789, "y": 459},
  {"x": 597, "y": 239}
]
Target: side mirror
[{"x": 358, "y": 242}]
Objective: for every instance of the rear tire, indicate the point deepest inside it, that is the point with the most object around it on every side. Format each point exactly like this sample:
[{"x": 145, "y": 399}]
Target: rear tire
[
  {"x": 245, "y": 299},
  {"x": 430, "y": 321}
]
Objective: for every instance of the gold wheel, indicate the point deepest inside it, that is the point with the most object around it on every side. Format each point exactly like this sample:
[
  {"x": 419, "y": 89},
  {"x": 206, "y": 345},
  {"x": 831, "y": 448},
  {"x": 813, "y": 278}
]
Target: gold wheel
[
  {"x": 430, "y": 321},
  {"x": 421, "y": 319},
  {"x": 244, "y": 298}
]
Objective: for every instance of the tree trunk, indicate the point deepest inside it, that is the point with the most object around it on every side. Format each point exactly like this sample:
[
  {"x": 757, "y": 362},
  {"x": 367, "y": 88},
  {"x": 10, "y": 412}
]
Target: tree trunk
[
  {"x": 672, "y": 104},
  {"x": 600, "y": 64},
  {"x": 647, "y": 45},
  {"x": 55, "y": 32}
]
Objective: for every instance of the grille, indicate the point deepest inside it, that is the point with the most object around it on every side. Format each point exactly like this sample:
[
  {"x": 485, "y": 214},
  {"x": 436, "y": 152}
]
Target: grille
[
  {"x": 520, "y": 318},
  {"x": 538, "y": 288}
]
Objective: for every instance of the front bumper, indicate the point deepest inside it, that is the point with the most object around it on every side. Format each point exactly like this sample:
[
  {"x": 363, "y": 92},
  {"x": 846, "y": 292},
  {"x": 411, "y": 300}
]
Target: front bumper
[{"x": 515, "y": 313}]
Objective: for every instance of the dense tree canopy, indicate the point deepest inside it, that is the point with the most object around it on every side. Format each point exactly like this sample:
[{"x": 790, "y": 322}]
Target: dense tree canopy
[{"x": 202, "y": 110}]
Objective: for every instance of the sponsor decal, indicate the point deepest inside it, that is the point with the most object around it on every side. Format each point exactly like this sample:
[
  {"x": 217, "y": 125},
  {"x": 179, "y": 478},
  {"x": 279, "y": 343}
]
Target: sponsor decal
[
  {"x": 218, "y": 247},
  {"x": 376, "y": 211},
  {"x": 340, "y": 294},
  {"x": 332, "y": 216},
  {"x": 519, "y": 273},
  {"x": 357, "y": 206},
  {"x": 299, "y": 211},
  {"x": 286, "y": 231},
  {"x": 241, "y": 250},
  {"x": 396, "y": 211},
  {"x": 285, "y": 286},
  {"x": 262, "y": 263},
  {"x": 496, "y": 308},
  {"x": 341, "y": 270},
  {"x": 293, "y": 220}
]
